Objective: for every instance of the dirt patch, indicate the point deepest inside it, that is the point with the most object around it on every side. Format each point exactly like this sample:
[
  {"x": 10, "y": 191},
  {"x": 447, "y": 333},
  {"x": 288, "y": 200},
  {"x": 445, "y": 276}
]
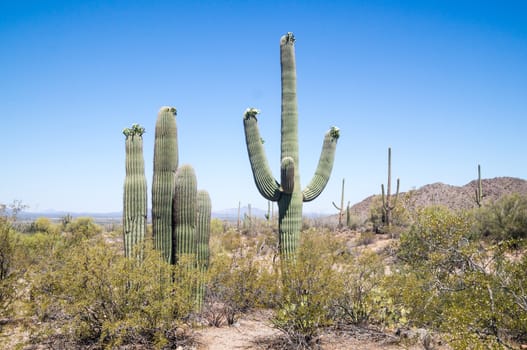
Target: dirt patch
[{"x": 255, "y": 331}]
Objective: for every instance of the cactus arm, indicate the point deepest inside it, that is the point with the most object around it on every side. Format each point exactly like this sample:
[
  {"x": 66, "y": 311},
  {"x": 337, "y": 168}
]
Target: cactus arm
[
  {"x": 396, "y": 196},
  {"x": 263, "y": 177},
  {"x": 325, "y": 165},
  {"x": 336, "y": 207}
]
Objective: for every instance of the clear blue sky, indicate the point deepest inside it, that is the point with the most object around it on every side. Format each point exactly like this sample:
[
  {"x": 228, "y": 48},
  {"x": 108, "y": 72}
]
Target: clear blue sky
[{"x": 444, "y": 83}]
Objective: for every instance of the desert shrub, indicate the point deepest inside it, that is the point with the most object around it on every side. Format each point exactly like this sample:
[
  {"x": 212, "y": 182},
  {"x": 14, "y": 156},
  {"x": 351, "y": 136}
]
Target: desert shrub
[
  {"x": 366, "y": 238},
  {"x": 360, "y": 299},
  {"x": 8, "y": 244},
  {"x": 402, "y": 214},
  {"x": 82, "y": 227},
  {"x": 450, "y": 282},
  {"x": 238, "y": 281},
  {"x": 504, "y": 219},
  {"x": 309, "y": 288},
  {"x": 227, "y": 241},
  {"x": 43, "y": 225},
  {"x": 512, "y": 303},
  {"x": 217, "y": 226},
  {"x": 94, "y": 295}
]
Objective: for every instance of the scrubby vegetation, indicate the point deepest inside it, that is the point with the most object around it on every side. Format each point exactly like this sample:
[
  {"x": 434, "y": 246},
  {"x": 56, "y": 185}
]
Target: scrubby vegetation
[{"x": 450, "y": 277}]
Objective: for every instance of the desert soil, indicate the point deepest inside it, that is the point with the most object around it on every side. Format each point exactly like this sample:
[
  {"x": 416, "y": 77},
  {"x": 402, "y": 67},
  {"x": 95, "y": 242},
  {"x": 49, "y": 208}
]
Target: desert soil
[{"x": 254, "y": 331}]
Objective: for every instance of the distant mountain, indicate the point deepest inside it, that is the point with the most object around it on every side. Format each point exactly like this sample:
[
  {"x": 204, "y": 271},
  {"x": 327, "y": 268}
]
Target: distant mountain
[{"x": 453, "y": 197}]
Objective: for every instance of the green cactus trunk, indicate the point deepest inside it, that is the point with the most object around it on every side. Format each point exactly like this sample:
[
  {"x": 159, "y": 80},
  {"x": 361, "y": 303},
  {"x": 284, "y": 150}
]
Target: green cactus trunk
[
  {"x": 387, "y": 204},
  {"x": 185, "y": 212},
  {"x": 288, "y": 194},
  {"x": 203, "y": 228},
  {"x": 203, "y": 238},
  {"x": 348, "y": 216},
  {"x": 479, "y": 189},
  {"x": 341, "y": 208},
  {"x": 135, "y": 192},
  {"x": 165, "y": 166},
  {"x": 192, "y": 212}
]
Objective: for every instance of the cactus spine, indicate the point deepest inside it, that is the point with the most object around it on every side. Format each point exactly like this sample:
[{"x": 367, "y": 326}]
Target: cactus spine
[
  {"x": 341, "y": 208},
  {"x": 288, "y": 192},
  {"x": 135, "y": 197},
  {"x": 165, "y": 165},
  {"x": 387, "y": 204},
  {"x": 479, "y": 189}
]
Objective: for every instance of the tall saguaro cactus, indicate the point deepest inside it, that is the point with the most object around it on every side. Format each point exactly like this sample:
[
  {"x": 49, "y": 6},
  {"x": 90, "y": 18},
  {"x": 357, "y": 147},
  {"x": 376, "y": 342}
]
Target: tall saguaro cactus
[
  {"x": 387, "y": 204},
  {"x": 165, "y": 166},
  {"x": 135, "y": 197},
  {"x": 288, "y": 192},
  {"x": 203, "y": 229},
  {"x": 191, "y": 226},
  {"x": 180, "y": 213},
  {"x": 185, "y": 217},
  {"x": 341, "y": 208},
  {"x": 202, "y": 242},
  {"x": 479, "y": 189}
]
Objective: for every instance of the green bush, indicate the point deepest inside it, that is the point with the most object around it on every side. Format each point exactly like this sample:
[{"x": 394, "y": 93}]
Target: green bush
[
  {"x": 82, "y": 227},
  {"x": 451, "y": 282},
  {"x": 361, "y": 298},
  {"x": 504, "y": 219},
  {"x": 310, "y": 284},
  {"x": 94, "y": 295},
  {"x": 8, "y": 276},
  {"x": 43, "y": 225},
  {"x": 238, "y": 280}
]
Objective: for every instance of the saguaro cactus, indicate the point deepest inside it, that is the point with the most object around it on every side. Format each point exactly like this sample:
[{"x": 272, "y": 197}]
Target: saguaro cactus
[
  {"x": 191, "y": 226},
  {"x": 135, "y": 197},
  {"x": 203, "y": 238},
  {"x": 288, "y": 192},
  {"x": 341, "y": 208},
  {"x": 165, "y": 166},
  {"x": 203, "y": 228},
  {"x": 387, "y": 204},
  {"x": 479, "y": 189},
  {"x": 185, "y": 212}
]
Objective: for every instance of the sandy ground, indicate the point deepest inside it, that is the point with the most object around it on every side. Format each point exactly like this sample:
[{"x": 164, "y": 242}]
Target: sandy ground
[{"x": 254, "y": 331}]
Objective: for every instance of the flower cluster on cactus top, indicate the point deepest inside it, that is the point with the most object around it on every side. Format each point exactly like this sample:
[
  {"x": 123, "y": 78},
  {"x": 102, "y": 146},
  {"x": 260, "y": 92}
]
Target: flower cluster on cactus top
[{"x": 135, "y": 130}]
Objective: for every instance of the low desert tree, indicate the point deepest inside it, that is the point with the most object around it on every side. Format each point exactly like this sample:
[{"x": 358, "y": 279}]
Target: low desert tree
[{"x": 450, "y": 281}]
